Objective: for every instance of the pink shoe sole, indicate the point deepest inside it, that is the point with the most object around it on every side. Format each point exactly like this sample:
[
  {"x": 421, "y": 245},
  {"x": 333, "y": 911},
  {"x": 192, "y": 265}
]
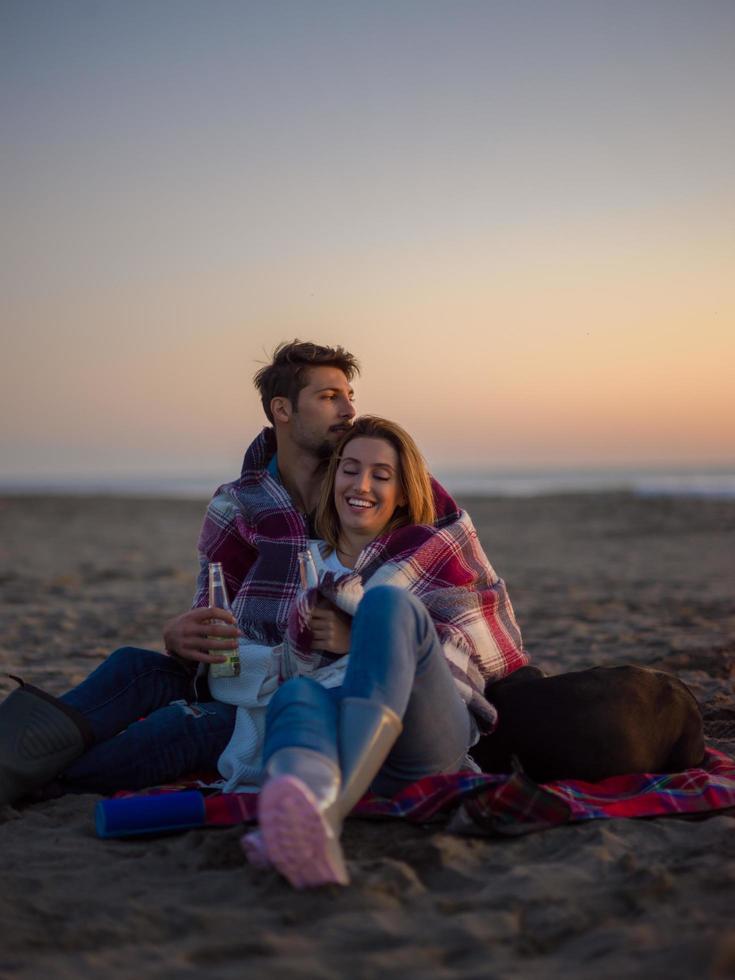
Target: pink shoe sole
[{"x": 298, "y": 840}]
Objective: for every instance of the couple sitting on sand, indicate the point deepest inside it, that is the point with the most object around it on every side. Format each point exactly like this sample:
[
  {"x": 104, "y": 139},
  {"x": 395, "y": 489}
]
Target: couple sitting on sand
[
  {"x": 385, "y": 672},
  {"x": 374, "y": 679}
]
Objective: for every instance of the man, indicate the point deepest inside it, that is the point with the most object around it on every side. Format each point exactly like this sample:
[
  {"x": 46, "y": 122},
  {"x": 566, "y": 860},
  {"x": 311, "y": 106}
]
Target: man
[{"x": 263, "y": 518}]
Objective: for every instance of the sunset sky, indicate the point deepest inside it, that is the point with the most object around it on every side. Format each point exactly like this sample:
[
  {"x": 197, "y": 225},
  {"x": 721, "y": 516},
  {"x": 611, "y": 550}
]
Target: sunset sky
[{"x": 519, "y": 215}]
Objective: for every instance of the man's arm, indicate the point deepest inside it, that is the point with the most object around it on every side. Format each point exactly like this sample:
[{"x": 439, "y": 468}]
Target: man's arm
[
  {"x": 188, "y": 636},
  {"x": 221, "y": 539}
]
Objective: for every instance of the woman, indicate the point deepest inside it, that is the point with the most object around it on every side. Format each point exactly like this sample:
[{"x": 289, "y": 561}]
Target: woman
[
  {"x": 426, "y": 623},
  {"x": 432, "y": 623}
]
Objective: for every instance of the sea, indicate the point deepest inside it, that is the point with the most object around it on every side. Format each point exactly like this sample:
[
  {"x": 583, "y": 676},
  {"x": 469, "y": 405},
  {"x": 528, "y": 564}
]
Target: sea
[{"x": 714, "y": 482}]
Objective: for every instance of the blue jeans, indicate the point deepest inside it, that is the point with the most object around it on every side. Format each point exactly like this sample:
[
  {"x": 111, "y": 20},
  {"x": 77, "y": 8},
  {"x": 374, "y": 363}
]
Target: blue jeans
[
  {"x": 142, "y": 738},
  {"x": 396, "y": 659}
]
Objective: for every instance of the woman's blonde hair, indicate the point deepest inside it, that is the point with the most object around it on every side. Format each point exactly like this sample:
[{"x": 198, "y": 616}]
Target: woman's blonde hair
[{"x": 413, "y": 477}]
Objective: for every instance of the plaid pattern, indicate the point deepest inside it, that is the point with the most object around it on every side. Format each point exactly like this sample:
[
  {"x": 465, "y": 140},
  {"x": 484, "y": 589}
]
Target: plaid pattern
[
  {"x": 512, "y": 805},
  {"x": 446, "y": 568},
  {"x": 252, "y": 527},
  {"x": 254, "y": 530},
  {"x": 520, "y": 806}
]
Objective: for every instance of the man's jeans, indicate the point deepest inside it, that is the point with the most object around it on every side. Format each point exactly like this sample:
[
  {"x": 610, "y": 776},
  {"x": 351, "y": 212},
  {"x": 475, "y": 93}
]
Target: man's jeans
[
  {"x": 396, "y": 659},
  {"x": 143, "y": 738}
]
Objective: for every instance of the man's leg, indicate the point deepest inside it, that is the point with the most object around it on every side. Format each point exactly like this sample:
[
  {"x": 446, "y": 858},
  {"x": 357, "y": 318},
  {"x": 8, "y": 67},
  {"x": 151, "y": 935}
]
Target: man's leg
[
  {"x": 147, "y": 731},
  {"x": 171, "y": 742},
  {"x": 130, "y": 684},
  {"x": 41, "y": 736}
]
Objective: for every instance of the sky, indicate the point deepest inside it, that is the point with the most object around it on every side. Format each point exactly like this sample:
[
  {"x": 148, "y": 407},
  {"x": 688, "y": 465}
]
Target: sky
[{"x": 519, "y": 216}]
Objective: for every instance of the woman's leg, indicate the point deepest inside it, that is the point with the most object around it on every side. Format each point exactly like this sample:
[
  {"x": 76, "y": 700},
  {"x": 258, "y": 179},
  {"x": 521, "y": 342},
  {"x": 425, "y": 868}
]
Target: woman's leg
[
  {"x": 130, "y": 684},
  {"x": 302, "y": 714},
  {"x": 397, "y": 669},
  {"x": 396, "y": 659},
  {"x": 302, "y": 784}
]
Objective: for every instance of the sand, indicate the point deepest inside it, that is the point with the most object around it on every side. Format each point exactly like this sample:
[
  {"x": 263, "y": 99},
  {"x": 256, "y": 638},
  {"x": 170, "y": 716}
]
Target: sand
[{"x": 594, "y": 580}]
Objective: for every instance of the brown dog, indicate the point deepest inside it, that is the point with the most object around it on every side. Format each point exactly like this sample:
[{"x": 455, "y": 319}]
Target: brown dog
[{"x": 591, "y": 724}]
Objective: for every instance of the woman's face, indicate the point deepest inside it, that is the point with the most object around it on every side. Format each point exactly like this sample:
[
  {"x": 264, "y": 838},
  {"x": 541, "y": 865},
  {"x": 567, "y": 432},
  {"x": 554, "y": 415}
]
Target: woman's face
[{"x": 367, "y": 485}]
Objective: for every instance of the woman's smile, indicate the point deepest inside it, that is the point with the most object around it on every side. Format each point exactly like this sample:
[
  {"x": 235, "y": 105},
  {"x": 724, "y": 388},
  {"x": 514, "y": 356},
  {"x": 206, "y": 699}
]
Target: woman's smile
[{"x": 359, "y": 502}]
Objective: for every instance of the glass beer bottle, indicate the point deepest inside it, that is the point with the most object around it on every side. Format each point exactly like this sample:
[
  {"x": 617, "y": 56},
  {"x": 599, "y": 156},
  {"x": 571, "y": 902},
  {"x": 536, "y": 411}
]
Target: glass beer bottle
[
  {"x": 218, "y": 598},
  {"x": 307, "y": 570}
]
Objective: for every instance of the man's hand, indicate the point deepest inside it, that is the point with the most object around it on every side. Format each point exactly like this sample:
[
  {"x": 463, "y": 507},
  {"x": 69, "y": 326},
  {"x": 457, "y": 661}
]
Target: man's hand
[
  {"x": 191, "y": 636},
  {"x": 331, "y": 628}
]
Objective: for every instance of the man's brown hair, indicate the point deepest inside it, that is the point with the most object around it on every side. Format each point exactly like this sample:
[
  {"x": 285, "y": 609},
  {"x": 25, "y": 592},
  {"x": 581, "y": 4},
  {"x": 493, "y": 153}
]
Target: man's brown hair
[{"x": 288, "y": 371}]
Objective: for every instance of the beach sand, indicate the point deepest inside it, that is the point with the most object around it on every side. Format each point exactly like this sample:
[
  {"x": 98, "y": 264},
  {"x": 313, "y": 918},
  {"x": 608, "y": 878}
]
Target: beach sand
[{"x": 594, "y": 580}]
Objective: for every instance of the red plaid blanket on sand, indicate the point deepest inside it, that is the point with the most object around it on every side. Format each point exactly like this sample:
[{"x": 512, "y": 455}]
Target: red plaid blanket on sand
[
  {"x": 512, "y": 805},
  {"x": 252, "y": 527}
]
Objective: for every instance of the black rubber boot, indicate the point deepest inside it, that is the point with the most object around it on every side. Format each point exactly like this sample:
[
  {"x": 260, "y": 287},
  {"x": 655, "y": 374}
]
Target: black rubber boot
[{"x": 39, "y": 737}]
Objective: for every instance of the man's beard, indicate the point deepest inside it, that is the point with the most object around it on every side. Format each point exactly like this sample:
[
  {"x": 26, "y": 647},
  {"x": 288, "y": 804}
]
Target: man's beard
[{"x": 320, "y": 447}]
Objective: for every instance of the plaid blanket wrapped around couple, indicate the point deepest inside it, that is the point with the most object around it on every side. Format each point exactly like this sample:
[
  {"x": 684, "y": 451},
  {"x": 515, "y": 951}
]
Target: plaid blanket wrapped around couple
[
  {"x": 254, "y": 530},
  {"x": 447, "y": 569}
]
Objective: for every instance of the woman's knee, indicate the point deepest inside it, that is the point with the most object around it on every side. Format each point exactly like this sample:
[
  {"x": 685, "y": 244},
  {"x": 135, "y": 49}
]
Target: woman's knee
[
  {"x": 298, "y": 690},
  {"x": 390, "y": 610},
  {"x": 390, "y": 601}
]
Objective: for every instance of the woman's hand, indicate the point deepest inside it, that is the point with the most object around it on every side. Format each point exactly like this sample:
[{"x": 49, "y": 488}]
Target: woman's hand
[
  {"x": 330, "y": 628},
  {"x": 192, "y": 636}
]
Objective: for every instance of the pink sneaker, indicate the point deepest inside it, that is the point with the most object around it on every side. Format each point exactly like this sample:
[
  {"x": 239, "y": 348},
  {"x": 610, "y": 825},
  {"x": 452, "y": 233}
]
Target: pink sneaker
[{"x": 298, "y": 839}]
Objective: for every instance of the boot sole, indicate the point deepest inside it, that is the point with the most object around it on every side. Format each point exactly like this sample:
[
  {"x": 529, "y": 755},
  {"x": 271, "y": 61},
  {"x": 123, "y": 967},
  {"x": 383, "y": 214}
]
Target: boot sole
[{"x": 298, "y": 840}]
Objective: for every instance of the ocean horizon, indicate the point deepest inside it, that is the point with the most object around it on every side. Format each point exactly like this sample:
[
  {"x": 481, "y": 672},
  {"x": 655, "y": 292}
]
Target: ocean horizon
[{"x": 711, "y": 482}]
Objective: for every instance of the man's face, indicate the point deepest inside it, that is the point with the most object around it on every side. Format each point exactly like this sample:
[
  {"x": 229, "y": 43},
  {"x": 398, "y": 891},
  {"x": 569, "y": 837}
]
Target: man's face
[{"x": 324, "y": 411}]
